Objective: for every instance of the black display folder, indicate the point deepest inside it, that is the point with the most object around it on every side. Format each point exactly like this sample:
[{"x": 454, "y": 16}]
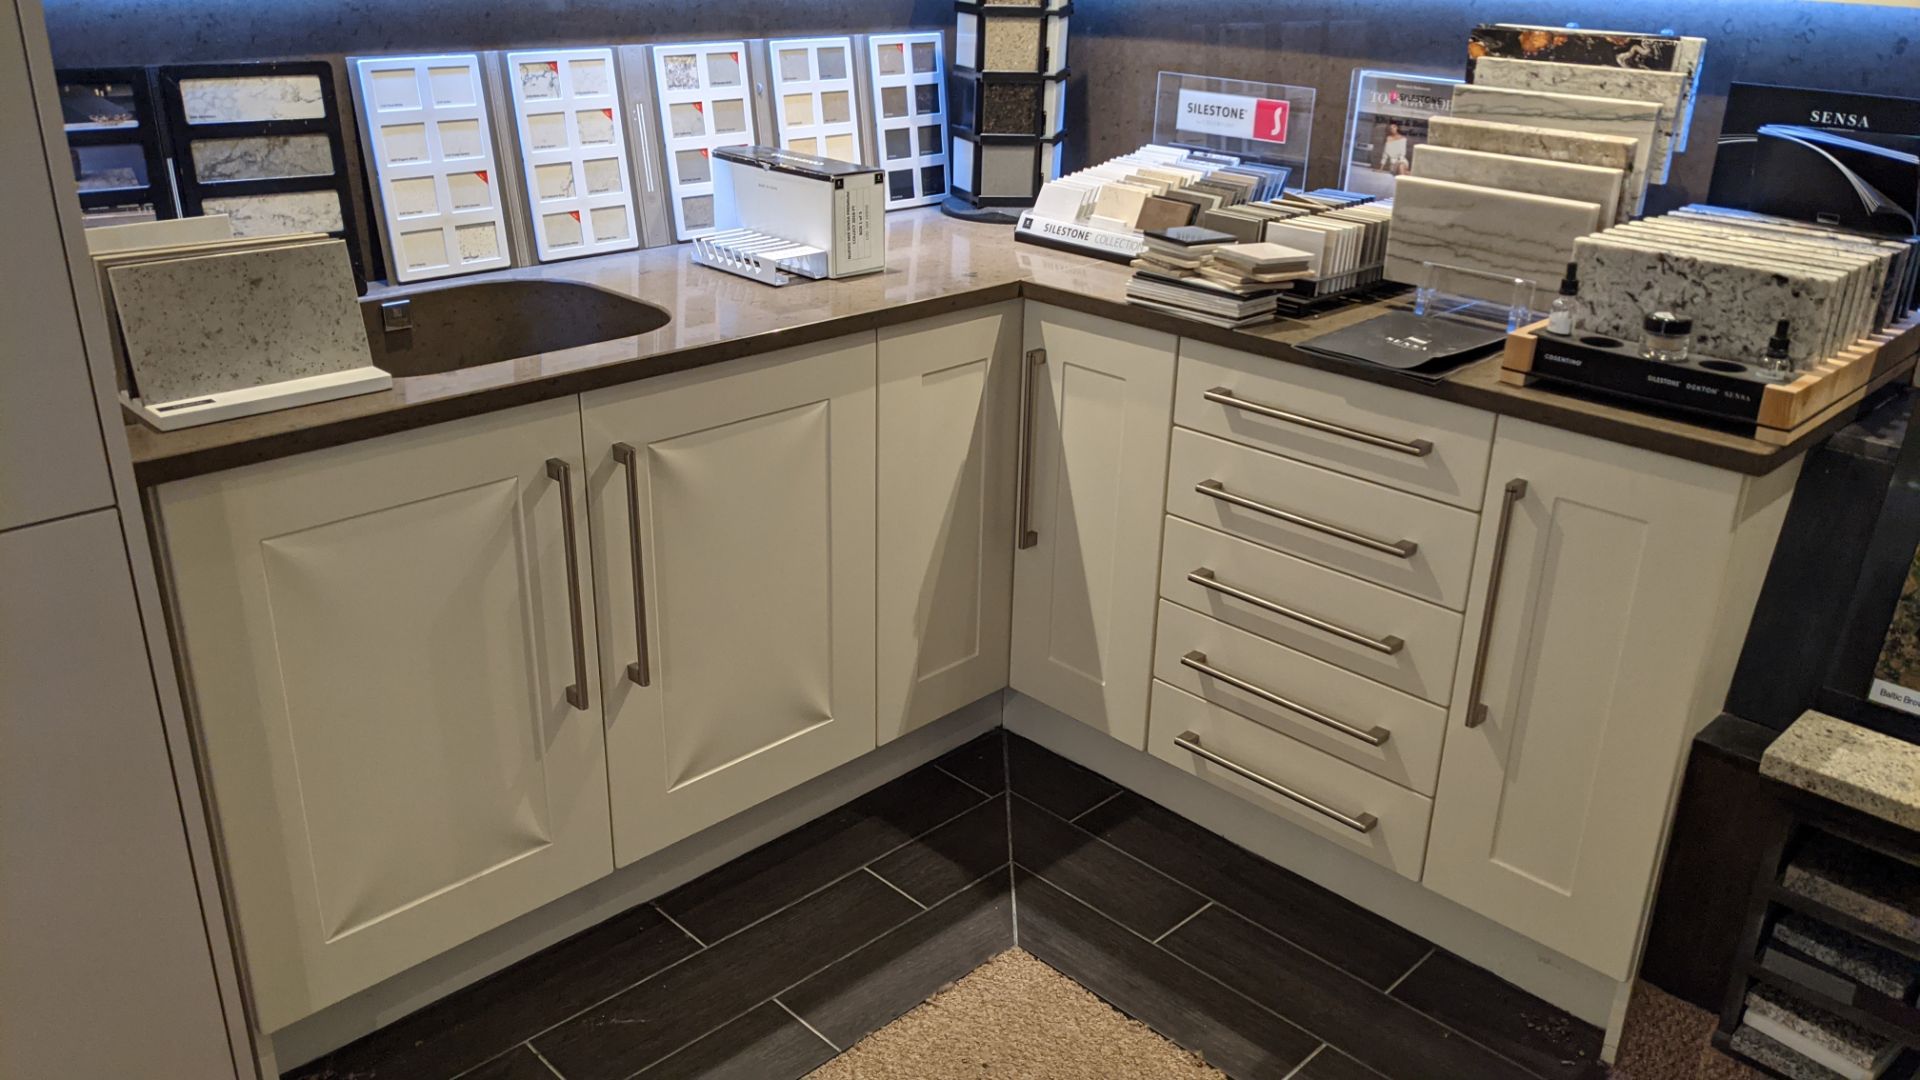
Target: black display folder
[
  {"x": 1751, "y": 106},
  {"x": 1427, "y": 348}
]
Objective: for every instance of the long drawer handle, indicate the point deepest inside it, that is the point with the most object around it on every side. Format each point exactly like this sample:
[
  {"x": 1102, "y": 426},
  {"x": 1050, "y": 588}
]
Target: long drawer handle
[
  {"x": 558, "y": 469},
  {"x": 1197, "y": 660},
  {"x": 1220, "y": 395},
  {"x": 1034, "y": 360},
  {"x": 1477, "y": 709},
  {"x": 1206, "y": 579},
  {"x": 641, "y": 670},
  {"x": 1214, "y": 489},
  {"x": 1360, "y": 823}
]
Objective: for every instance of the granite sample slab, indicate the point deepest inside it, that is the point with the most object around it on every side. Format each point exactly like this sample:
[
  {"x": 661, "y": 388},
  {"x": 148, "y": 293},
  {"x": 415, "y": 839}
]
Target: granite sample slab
[
  {"x": 1638, "y": 120},
  {"x": 1882, "y": 970},
  {"x": 1522, "y": 140},
  {"x": 1877, "y": 889},
  {"x": 1666, "y": 88},
  {"x": 1779, "y": 1058},
  {"x": 1828, "y": 1039},
  {"x": 1503, "y": 233},
  {"x": 1873, "y": 773},
  {"x": 1595, "y": 47},
  {"x": 199, "y": 325},
  {"x": 1532, "y": 176}
]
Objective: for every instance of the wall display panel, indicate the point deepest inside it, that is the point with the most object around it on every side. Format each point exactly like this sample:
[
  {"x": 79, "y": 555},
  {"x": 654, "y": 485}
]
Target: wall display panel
[
  {"x": 566, "y": 109},
  {"x": 910, "y": 116},
  {"x": 814, "y": 97},
  {"x": 431, "y": 151},
  {"x": 114, "y": 140},
  {"x": 705, "y": 103}
]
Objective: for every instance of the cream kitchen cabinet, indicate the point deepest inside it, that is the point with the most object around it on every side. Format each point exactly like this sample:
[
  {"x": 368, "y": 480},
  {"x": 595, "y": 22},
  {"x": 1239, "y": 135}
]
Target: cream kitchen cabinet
[
  {"x": 733, "y": 516},
  {"x": 949, "y": 393},
  {"x": 388, "y": 650},
  {"x": 1612, "y": 588},
  {"x": 1095, "y": 432}
]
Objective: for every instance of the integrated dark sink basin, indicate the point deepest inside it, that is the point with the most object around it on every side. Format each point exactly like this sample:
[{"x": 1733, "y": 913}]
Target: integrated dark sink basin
[{"x": 463, "y": 326}]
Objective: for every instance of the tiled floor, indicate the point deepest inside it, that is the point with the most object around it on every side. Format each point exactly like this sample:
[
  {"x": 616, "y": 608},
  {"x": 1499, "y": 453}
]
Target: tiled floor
[{"x": 765, "y": 968}]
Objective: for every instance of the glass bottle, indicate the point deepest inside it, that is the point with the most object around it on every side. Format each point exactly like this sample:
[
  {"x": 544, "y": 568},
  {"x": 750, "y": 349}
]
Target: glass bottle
[{"x": 1565, "y": 311}]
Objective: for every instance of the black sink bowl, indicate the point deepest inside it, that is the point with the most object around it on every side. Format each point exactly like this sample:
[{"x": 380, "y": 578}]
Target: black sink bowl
[{"x": 484, "y": 322}]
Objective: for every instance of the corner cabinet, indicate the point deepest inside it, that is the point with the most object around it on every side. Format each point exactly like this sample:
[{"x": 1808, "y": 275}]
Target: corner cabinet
[
  {"x": 733, "y": 512},
  {"x": 1096, "y": 429},
  {"x": 392, "y": 685},
  {"x": 1612, "y": 588}
]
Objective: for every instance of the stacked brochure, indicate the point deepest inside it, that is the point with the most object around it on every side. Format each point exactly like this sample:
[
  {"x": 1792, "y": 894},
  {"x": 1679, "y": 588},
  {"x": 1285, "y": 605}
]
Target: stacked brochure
[{"x": 1203, "y": 275}]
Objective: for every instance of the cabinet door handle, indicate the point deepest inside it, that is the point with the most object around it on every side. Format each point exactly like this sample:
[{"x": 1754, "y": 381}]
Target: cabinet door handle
[
  {"x": 1197, "y": 660},
  {"x": 1034, "y": 361},
  {"x": 1220, "y": 395},
  {"x": 1360, "y": 823},
  {"x": 558, "y": 469},
  {"x": 641, "y": 670},
  {"x": 1401, "y": 549},
  {"x": 1477, "y": 709},
  {"x": 1206, "y": 579}
]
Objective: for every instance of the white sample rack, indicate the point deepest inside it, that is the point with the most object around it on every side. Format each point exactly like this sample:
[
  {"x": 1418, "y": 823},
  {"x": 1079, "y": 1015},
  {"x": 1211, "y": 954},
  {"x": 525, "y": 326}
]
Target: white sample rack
[{"x": 765, "y": 258}]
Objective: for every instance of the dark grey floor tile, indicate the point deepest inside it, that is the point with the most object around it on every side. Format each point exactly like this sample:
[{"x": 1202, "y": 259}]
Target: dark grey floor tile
[
  {"x": 1331, "y": 1064},
  {"x": 1052, "y": 781},
  {"x": 518, "y": 1064},
  {"x": 1235, "y": 1036},
  {"x": 982, "y": 762},
  {"x": 765, "y": 1044},
  {"x": 1374, "y": 1029},
  {"x": 472, "y": 1025},
  {"x": 1116, "y": 884},
  {"x": 1350, "y": 937},
  {"x": 666, "y": 1012},
  {"x": 868, "y": 990},
  {"x": 948, "y": 858},
  {"x": 1489, "y": 1010},
  {"x": 776, "y": 874}
]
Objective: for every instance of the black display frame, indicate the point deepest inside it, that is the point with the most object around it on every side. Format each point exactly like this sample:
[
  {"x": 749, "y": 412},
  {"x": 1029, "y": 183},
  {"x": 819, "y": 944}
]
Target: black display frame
[{"x": 159, "y": 191}]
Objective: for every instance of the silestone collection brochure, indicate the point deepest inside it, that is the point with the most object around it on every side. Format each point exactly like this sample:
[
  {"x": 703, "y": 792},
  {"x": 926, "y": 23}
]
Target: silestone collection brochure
[{"x": 1388, "y": 119}]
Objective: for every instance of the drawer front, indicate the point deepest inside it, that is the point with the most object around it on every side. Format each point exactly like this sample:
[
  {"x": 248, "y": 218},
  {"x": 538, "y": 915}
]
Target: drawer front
[
  {"x": 1407, "y": 543},
  {"x": 1359, "y": 721},
  {"x": 1386, "y": 636},
  {"x": 1359, "y": 811},
  {"x": 1402, "y": 440}
]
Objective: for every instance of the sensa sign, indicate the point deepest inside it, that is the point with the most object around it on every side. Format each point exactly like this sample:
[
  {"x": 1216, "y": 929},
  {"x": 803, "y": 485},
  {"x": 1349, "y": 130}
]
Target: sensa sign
[{"x": 1235, "y": 115}]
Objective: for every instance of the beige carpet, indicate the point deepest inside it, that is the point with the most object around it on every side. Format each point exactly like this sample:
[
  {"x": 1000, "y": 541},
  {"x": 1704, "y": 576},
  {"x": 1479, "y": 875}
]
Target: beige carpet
[
  {"x": 1665, "y": 1038},
  {"x": 1015, "y": 1017}
]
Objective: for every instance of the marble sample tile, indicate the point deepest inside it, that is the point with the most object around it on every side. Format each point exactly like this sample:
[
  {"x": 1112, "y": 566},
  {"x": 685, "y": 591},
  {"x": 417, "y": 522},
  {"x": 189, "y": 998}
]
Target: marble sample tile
[
  {"x": 1506, "y": 233},
  {"x": 1666, "y": 88},
  {"x": 1519, "y": 140},
  {"x": 1637, "y": 120},
  {"x": 1532, "y": 176},
  {"x": 1876, "y": 889},
  {"x": 539, "y": 79},
  {"x": 273, "y": 215},
  {"x": 1854, "y": 766},
  {"x": 261, "y": 157},
  {"x": 200, "y": 325},
  {"x": 250, "y": 98}
]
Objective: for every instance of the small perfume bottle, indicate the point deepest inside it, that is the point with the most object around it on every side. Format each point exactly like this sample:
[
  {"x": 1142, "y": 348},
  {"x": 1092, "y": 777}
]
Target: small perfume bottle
[
  {"x": 1777, "y": 365},
  {"x": 1566, "y": 307},
  {"x": 1668, "y": 338}
]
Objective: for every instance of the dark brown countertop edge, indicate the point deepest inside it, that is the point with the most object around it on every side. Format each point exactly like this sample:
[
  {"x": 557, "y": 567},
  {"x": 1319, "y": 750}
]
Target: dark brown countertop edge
[{"x": 1674, "y": 438}]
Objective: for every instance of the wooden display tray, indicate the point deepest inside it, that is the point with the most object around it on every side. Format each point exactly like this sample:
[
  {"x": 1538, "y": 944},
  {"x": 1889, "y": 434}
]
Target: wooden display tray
[{"x": 1785, "y": 408}]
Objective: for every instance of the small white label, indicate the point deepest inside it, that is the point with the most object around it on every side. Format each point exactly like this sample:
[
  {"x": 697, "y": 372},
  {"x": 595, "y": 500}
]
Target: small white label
[{"x": 1896, "y": 696}]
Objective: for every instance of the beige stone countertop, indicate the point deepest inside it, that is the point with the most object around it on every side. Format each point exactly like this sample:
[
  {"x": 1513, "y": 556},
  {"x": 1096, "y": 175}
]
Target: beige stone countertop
[
  {"x": 1873, "y": 773},
  {"x": 935, "y": 264}
]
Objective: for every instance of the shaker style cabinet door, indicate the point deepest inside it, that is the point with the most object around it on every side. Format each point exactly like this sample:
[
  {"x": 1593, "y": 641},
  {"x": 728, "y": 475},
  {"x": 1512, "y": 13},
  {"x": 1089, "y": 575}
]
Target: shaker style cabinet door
[
  {"x": 1625, "y": 580},
  {"x": 1092, "y": 495},
  {"x": 948, "y": 395},
  {"x": 389, "y": 649},
  {"x": 733, "y": 514}
]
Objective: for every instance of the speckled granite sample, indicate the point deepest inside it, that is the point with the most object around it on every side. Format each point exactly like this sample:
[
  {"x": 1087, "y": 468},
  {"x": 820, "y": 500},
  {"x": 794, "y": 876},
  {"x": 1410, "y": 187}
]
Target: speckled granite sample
[
  {"x": 1499, "y": 232},
  {"x": 1533, "y": 176},
  {"x": 1880, "y": 891},
  {"x": 1775, "y": 1056},
  {"x": 1636, "y": 120},
  {"x": 1873, "y": 773},
  {"x": 1666, "y": 89},
  {"x": 1829, "y": 1039},
  {"x": 200, "y": 325},
  {"x": 1869, "y": 965}
]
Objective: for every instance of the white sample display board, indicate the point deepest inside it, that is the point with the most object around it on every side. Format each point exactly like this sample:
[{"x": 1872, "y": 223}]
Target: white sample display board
[
  {"x": 813, "y": 96},
  {"x": 433, "y": 164},
  {"x": 566, "y": 106},
  {"x": 910, "y": 116},
  {"x": 704, "y": 105}
]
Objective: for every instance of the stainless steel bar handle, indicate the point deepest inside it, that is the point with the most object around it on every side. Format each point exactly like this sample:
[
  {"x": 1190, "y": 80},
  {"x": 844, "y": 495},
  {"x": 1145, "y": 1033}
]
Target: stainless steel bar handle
[
  {"x": 1214, "y": 489},
  {"x": 641, "y": 670},
  {"x": 1360, "y": 823},
  {"x": 558, "y": 469},
  {"x": 1034, "y": 361},
  {"x": 1477, "y": 709},
  {"x": 1206, "y": 579},
  {"x": 1197, "y": 660},
  {"x": 1221, "y": 395}
]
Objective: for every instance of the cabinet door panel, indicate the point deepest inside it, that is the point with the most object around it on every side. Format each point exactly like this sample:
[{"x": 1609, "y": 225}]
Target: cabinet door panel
[
  {"x": 755, "y": 513},
  {"x": 1084, "y": 592},
  {"x": 379, "y": 643},
  {"x": 948, "y": 404}
]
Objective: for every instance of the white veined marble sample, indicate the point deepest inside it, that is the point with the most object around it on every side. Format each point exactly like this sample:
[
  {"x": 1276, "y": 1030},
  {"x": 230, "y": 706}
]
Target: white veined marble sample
[
  {"x": 252, "y": 98},
  {"x": 1504, "y": 233},
  {"x": 1638, "y": 120},
  {"x": 203, "y": 324},
  {"x": 261, "y": 157},
  {"x": 1605, "y": 151},
  {"x": 280, "y": 213},
  {"x": 1532, "y": 176},
  {"x": 1668, "y": 89}
]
